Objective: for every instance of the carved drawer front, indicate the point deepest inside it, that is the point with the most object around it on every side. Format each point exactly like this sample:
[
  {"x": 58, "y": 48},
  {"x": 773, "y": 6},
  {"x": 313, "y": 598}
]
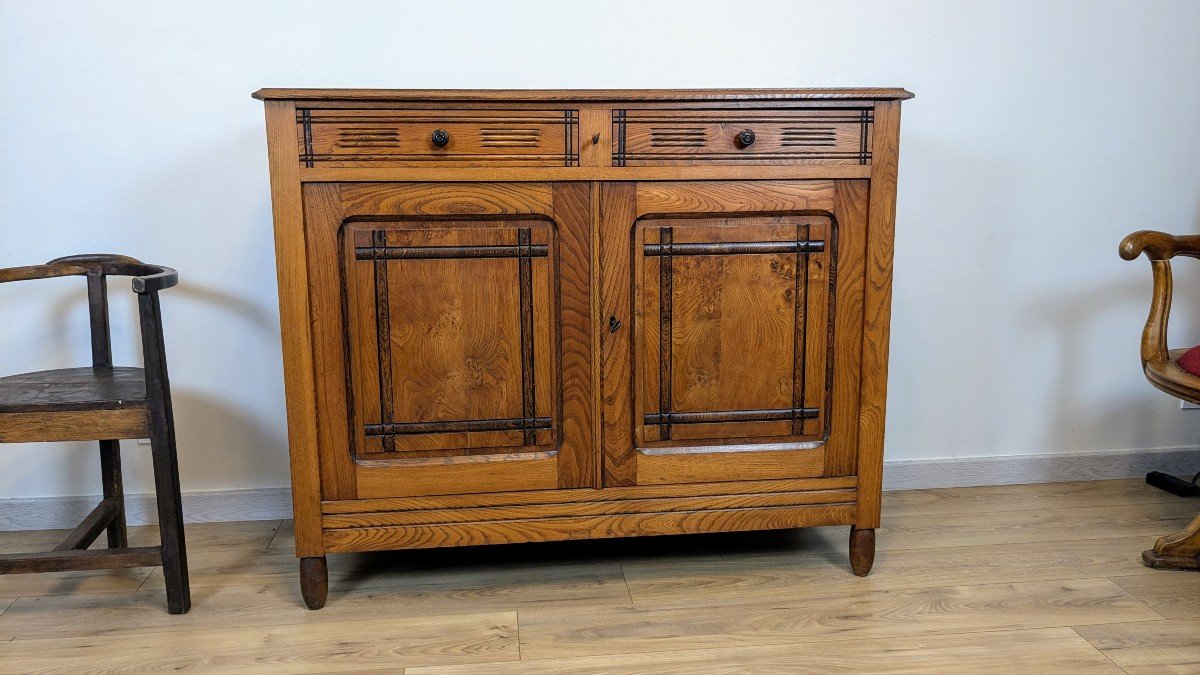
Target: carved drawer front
[
  {"x": 762, "y": 137},
  {"x": 451, "y": 337},
  {"x": 463, "y": 138},
  {"x": 734, "y": 318}
]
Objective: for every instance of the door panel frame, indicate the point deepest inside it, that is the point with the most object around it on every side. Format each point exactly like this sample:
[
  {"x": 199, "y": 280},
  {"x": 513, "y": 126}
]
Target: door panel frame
[
  {"x": 624, "y": 463},
  {"x": 571, "y": 462}
]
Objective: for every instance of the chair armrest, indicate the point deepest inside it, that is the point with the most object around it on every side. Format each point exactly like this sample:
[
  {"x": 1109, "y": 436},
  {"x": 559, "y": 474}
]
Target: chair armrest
[
  {"x": 1159, "y": 245},
  {"x": 146, "y": 278},
  {"x": 40, "y": 272},
  {"x": 154, "y": 279}
]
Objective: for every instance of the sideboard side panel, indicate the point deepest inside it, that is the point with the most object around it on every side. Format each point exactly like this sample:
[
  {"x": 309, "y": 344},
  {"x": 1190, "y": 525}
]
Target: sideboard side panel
[
  {"x": 292, "y": 268},
  {"x": 877, "y": 312}
]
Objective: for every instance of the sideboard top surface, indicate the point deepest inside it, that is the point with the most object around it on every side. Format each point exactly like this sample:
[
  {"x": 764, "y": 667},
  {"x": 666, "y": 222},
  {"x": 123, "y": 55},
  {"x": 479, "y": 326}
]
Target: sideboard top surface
[{"x": 595, "y": 95}]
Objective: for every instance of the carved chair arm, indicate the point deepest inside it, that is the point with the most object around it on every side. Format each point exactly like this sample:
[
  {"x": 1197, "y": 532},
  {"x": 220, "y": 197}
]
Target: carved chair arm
[
  {"x": 30, "y": 272},
  {"x": 146, "y": 278},
  {"x": 1159, "y": 247}
]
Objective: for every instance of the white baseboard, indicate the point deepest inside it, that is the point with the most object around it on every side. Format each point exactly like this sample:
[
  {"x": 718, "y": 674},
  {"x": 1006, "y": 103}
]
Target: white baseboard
[
  {"x": 1050, "y": 468},
  {"x": 47, "y": 513},
  {"x": 53, "y": 513}
]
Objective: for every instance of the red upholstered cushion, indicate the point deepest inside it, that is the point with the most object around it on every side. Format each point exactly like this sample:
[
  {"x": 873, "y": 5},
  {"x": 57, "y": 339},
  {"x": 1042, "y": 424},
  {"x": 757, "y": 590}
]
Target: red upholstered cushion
[{"x": 1190, "y": 361}]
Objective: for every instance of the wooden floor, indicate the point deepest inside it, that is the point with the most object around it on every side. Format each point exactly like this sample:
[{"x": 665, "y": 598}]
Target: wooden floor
[{"x": 1040, "y": 578}]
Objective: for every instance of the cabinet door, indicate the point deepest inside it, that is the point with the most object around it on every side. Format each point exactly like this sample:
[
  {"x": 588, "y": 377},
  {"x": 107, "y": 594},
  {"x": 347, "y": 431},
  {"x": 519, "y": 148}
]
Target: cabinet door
[
  {"x": 453, "y": 337},
  {"x": 735, "y": 324}
]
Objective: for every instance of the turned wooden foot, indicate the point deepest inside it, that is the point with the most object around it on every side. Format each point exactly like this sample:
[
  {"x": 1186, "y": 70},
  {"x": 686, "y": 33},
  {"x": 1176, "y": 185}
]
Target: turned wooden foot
[
  {"x": 862, "y": 551},
  {"x": 1179, "y": 551},
  {"x": 314, "y": 581}
]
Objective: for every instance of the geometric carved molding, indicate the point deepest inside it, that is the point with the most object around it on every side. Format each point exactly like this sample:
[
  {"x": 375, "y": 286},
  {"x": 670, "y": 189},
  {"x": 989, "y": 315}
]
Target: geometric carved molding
[
  {"x": 662, "y": 413},
  {"x": 682, "y": 137},
  {"x": 379, "y": 253}
]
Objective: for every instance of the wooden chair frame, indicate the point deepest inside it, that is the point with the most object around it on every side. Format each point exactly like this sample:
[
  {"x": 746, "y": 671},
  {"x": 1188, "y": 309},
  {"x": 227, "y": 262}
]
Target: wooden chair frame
[
  {"x": 149, "y": 418},
  {"x": 1180, "y": 550}
]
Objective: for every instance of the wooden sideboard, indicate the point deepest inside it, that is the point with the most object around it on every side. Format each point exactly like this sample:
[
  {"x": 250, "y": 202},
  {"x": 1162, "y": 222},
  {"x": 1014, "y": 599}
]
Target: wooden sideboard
[{"x": 514, "y": 316}]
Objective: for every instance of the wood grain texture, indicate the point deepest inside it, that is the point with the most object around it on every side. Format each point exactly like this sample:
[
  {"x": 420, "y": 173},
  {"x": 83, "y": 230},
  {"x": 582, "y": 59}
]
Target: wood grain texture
[
  {"x": 1154, "y": 647},
  {"x": 73, "y": 389},
  {"x": 588, "y": 508},
  {"x": 567, "y": 496},
  {"x": 491, "y": 278},
  {"x": 1175, "y": 596},
  {"x": 291, "y": 261},
  {"x": 1058, "y": 650},
  {"x": 364, "y": 644},
  {"x": 718, "y": 602},
  {"x": 877, "y": 310},
  {"x": 40, "y": 427},
  {"x": 658, "y": 137},
  {"x": 552, "y": 633},
  {"x": 406, "y": 137},
  {"x": 586, "y": 527},
  {"x": 794, "y": 566},
  {"x": 617, "y": 213}
]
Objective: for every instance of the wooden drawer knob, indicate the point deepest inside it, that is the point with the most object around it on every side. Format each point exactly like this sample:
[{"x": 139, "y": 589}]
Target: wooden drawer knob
[
  {"x": 440, "y": 138},
  {"x": 744, "y": 138}
]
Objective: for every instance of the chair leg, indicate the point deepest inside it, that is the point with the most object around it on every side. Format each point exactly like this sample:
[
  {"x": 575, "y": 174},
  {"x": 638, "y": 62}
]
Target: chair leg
[
  {"x": 161, "y": 421},
  {"x": 170, "y": 517},
  {"x": 110, "y": 470}
]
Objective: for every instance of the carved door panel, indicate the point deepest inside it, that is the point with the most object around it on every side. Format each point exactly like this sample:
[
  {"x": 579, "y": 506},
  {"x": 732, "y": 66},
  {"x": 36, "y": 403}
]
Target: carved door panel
[
  {"x": 454, "y": 370},
  {"x": 733, "y": 296}
]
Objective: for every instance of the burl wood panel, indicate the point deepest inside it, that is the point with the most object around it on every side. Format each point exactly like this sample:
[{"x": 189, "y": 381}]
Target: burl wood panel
[
  {"x": 451, "y": 333},
  {"x": 734, "y": 316},
  {"x": 733, "y": 321}
]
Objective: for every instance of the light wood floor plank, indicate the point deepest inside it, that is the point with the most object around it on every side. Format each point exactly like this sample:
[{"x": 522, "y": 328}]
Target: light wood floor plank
[
  {"x": 278, "y": 603},
  {"x": 256, "y": 534},
  {"x": 1011, "y": 527},
  {"x": 1049, "y": 650},
  {"x": 1039, "y": 497},
  {"x": 1160, "y": 647},
  {"x": 554, "y": 633},
  {"x": 985, "y": 578},
  {"x": 1174, "y": 594},
  {"x": 753, "y": 578},
  {"x": 385, "y": 643}
]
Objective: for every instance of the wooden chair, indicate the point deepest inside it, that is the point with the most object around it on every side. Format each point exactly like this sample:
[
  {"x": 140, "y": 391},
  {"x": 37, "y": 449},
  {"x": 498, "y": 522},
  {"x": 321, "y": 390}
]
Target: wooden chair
[
  {"x": 107, "y": 403},
  {"x": 1171, "y": 370}
]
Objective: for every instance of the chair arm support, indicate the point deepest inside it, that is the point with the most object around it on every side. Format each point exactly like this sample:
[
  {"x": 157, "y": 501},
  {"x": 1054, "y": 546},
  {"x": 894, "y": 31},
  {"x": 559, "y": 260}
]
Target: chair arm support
[
  {"x": 1159, "y": 245},
  {"x": 1159, "y": 248}
]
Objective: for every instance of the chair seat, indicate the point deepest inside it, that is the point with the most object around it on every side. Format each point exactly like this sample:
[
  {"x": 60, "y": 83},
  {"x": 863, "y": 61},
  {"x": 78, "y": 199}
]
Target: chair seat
[
  {"x": 68, "y": 389},
  {"x": 1169, "y": 377}
]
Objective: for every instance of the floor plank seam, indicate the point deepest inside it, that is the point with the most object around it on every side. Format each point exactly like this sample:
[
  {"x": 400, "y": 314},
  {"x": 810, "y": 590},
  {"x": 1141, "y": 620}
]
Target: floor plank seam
[
  {"x": 517, "y": 613},
  {"x": 1100, "y": 651},
  {"x": 1176, "y": 523},
  {"x": 642, "y": 606},
  {"x": 625, "y": 580},
  {"x": 274, "y": 535}
]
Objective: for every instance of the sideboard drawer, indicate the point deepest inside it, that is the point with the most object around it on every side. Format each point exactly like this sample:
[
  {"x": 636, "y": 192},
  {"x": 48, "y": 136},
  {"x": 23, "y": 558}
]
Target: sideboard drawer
[
  {"x": 461, "y": 138},
  {"x": 655, "y": 137}
]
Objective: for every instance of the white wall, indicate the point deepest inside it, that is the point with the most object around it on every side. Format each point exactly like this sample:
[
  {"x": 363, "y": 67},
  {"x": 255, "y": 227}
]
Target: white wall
[{"x": 1042, "y": 132}]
